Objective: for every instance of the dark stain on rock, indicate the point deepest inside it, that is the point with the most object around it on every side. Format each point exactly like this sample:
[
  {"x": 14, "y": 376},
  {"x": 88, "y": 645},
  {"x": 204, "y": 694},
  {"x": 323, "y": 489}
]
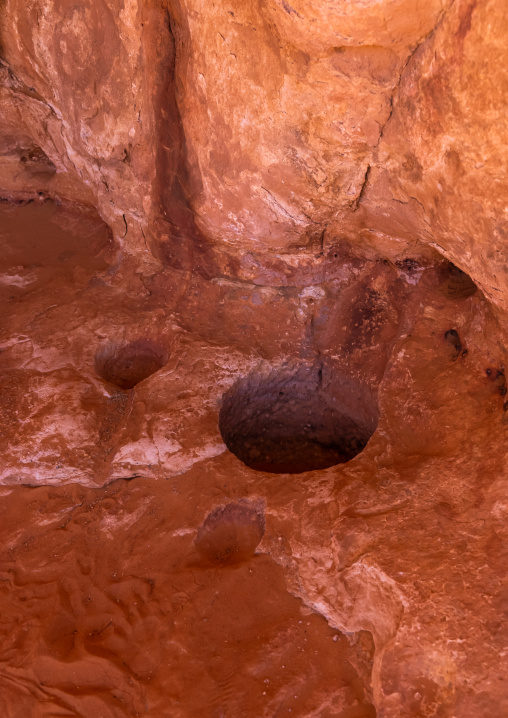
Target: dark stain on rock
[
  {"x": 408, "y": 264},
  {"x": 367, "y": 317},
  {"x": 290, "y": 10},
  {"x": 465, "y": 23},
  {"x": 497, "y": 377},
  {"x": 453, "y": 338},
  {"x": 412, "y": 167},
  {"x": 454, "y": 163}
]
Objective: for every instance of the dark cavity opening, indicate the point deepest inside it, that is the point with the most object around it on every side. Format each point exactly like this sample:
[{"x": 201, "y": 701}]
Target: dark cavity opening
[
  {"x": 458, "y": 284},
  {"x": 126, "y": 365},
  {"x": 292, "y": 421}
]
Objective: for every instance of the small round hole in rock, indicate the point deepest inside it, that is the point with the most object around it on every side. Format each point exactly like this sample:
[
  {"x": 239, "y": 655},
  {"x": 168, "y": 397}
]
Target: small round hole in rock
[
  {"x": 126, "y": 365},
  {"x": 292, "y": 421},
  {"x": 458, "y": 284},
  {"x": 230, "y": 534}
]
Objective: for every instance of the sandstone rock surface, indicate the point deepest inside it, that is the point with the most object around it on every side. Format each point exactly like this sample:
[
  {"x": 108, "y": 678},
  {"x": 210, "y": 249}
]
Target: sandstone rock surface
[{"x": 253, "y": 405}]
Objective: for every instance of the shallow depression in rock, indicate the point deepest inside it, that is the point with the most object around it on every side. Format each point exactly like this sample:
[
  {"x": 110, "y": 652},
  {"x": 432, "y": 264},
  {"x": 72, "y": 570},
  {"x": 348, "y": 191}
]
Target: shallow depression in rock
[
  {"x": 292, "y": 421},
  {"x": 126, "y": 365},
  {"x": 231, "y": 533}
]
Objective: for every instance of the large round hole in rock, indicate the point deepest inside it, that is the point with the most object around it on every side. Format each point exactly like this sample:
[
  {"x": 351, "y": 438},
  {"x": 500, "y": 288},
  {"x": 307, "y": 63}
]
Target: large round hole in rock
[
  {"x": 125, "y": 365},
  {"x": 291, "y": 421}
]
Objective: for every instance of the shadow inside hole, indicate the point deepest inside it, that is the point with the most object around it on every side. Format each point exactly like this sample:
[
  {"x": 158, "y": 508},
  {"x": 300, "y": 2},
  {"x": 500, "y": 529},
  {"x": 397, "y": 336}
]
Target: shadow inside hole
[
  {"x": 126, "y": 365},
  {"x": 458, "y": 285},
  {"x": 296, "y": 421}
]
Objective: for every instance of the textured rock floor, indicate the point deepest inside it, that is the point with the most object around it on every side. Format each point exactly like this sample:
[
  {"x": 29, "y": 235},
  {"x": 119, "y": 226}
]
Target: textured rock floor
[{"x": 109, "y": 605}]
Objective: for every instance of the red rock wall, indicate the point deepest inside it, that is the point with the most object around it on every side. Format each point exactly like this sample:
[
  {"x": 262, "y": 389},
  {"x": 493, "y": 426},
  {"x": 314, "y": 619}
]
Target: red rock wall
[{"x": 253, "y": 401}]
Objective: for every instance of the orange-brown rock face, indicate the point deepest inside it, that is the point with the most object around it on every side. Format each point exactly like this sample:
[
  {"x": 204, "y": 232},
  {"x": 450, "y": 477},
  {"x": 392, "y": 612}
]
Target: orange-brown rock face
[{"x": 253, "y": 405}]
